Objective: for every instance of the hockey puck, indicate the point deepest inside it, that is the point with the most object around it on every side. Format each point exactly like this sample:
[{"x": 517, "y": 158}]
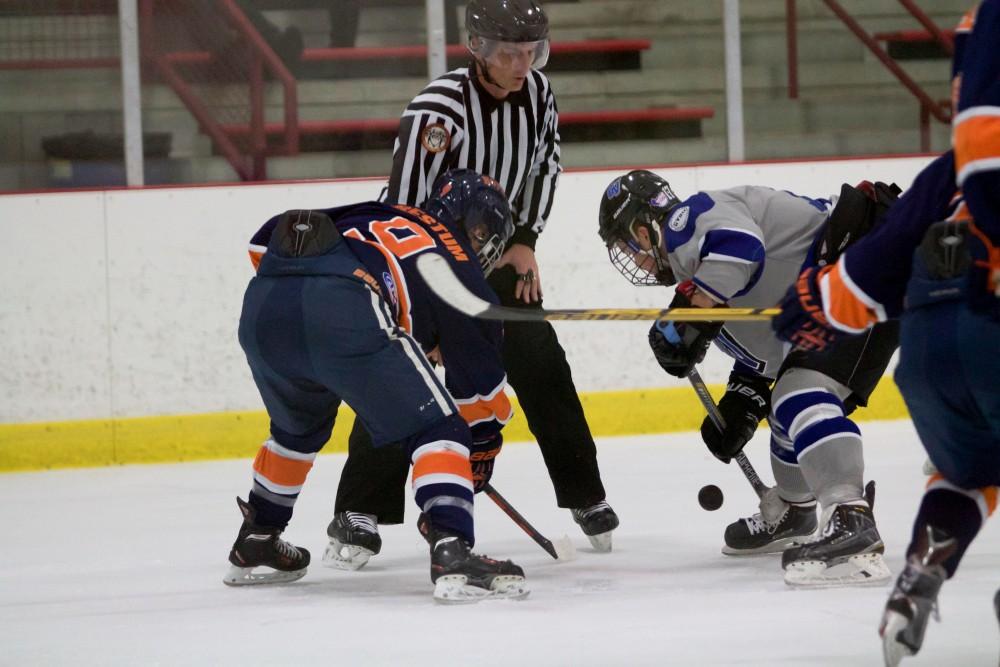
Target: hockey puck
[{"x": 710, "y": 497}]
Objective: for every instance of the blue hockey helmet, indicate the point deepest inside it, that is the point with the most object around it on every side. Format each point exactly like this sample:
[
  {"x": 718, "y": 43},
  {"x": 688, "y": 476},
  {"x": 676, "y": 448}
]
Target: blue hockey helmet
[{"x": 465, "y": 199}]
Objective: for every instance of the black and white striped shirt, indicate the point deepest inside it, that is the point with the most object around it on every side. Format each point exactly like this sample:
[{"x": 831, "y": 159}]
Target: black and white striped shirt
[{"x": 455, "y": 123}]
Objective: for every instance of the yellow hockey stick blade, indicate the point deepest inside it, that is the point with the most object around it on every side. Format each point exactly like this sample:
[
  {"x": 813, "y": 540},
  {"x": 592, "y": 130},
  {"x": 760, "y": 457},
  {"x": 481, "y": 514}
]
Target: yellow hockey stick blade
[{"x": 445, "y": 284}]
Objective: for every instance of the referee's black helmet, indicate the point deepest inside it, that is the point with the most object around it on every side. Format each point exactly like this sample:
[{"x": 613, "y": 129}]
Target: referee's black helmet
[{"x": 506, "y": 20}]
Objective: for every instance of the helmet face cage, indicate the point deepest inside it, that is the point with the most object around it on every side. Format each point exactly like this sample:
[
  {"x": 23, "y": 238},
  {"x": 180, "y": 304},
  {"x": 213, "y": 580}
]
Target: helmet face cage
[
  {"x": 489, "y": 246},
  {"x": 642, "y": 268},
  {"x": 638, "y": 199}
]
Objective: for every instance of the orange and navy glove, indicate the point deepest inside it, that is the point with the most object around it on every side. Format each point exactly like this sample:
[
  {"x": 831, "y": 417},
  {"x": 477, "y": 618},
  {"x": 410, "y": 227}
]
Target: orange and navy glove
[
  {"x": 802, "y": 321},
  {"x": 482, "y": 456}
]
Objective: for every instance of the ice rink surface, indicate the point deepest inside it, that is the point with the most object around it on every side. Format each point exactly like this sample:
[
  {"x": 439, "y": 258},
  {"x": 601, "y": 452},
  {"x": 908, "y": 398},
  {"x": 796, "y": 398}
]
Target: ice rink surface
[{"x": 123, "y": 566}]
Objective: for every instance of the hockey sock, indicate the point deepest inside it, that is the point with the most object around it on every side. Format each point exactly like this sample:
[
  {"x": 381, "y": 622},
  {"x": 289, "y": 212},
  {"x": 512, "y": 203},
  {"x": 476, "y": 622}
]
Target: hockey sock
[
  {"x": 957, "y": 512},
  {"x": 442, "y": 482},
  {"x": 827, "y": 444},
  {"x": 278, "y": 476}
]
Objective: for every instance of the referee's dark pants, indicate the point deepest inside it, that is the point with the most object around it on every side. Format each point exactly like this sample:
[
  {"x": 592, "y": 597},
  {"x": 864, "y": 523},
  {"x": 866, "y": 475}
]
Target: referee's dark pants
[{"x": 373, "y": 479}]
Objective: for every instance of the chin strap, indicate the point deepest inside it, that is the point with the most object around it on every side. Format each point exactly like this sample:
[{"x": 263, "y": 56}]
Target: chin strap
[{"x": 483, "y": 72}]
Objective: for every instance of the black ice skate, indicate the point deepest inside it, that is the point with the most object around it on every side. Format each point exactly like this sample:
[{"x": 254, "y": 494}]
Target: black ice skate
[
  {"x": 462, "y": 576},
  {"x": 597, "y": 522},
  {"x": 354, "y": 539},
  {"x": 754, "y": 536},
  {"x": 847, "y": 552},
  {"x": 914, "y": 599},
  {"x": 261, "y": 546}
]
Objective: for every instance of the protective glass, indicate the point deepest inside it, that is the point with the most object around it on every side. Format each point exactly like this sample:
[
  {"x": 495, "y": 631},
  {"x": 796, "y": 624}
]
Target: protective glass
[{"x": 509, "y": 54}]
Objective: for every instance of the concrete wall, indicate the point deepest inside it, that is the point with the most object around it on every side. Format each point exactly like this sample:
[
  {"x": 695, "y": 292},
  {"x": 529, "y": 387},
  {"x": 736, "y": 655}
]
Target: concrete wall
[{"x": 125, "y": 303}]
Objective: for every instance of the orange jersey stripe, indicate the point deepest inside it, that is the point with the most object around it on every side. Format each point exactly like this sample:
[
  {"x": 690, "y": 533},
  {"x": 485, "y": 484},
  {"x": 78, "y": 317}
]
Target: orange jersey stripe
[
  {"x": 403, "y": 307},
  {"x": 255, "y": 258},
  {"x": 841, "y": 305},
  {"x": 281, "y": 470},
  {"x": 977, "y": 137},
  {"x": 443, "y": 462},
  {"x": 990, "y": 496},
  {"x": 483, "y": 409},
  {"x": 968, "y": 21},
  {"x": 987, "y": 493}
]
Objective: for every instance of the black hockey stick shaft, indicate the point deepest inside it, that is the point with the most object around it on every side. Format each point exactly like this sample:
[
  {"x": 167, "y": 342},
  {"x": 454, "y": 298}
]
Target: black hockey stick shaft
[
  {"x": 713, "y": 413},
  {"x": 522, "y": 523}
]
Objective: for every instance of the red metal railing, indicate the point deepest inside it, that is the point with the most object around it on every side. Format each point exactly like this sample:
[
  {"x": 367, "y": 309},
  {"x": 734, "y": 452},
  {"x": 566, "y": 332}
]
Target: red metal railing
[
  {"x": 248, "y": 159},
  {"x": 940, "y": 36},
  {"x": 940, "y": 110}
]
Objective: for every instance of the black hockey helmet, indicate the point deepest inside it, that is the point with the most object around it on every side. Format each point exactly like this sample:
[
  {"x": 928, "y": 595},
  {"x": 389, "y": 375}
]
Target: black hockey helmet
[
  {"x": 640, "y": 198},
  {"x": 506, "y": 20},
  {"x": 465, "y": 199},
  {"x": 491, "y": 23}
]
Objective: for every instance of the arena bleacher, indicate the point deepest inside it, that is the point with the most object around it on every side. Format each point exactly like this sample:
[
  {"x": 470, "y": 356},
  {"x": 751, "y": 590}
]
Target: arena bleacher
[{"x": 636, "y": 78}]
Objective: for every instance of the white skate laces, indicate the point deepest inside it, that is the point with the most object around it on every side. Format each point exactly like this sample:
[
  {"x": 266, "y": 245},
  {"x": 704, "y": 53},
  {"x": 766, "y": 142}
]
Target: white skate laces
[
  {"x": 286, "y": 549},
  {"x": 756, "y": 524},
  {"x": 588, "y": 512},
  {"x": 361, "y": 521}
]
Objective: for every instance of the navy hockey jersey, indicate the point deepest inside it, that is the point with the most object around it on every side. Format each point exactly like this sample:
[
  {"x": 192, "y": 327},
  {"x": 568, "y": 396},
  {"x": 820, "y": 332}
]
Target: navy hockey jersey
[
  {"x": 868, "y": 283},
  {"x": 977, "y": 123},
  {"x": 387, "y": 239}
]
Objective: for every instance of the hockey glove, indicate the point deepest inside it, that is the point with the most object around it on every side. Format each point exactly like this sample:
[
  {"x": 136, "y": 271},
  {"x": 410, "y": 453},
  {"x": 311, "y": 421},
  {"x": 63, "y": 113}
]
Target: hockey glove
[
  {"x": 747, "y": 401},
  {"x": 802, "y": 321},
  {"x": 679, "y": 346},
  {"x": 983, "y": 289},
  {"x": 482, "y": 456}
]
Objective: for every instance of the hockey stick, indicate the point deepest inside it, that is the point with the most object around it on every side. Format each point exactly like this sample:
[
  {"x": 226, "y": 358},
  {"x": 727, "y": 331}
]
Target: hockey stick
[
  {"x": 560, "y": 550},
  {"x": 445, "y": 284},
  {"x": 713, "y": 413}
]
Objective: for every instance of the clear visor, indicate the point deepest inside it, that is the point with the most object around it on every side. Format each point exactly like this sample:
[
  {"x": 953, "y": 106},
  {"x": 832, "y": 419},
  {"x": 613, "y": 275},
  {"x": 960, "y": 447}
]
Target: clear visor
[
  {"x": 640, "y": 267},
  {"x": 511, "y": 55}
]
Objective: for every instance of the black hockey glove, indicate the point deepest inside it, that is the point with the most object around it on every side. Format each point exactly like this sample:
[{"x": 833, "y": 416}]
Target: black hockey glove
[
  {"x": 482, "y": 456},
  {"x": 678, "y": 346},
  {"x": 747, "y": 401}
]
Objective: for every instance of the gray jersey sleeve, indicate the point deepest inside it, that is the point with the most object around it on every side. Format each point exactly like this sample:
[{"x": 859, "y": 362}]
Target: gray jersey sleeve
[{"x": 745, "y": 246}]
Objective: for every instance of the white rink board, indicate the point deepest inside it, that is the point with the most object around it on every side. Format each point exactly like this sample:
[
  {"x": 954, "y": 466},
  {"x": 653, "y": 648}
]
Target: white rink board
[{"x": 125, "y": 303}]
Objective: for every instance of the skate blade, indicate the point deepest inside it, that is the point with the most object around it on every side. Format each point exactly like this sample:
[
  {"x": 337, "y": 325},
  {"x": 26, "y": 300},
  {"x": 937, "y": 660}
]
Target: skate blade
[
  {"x": 860, "y": 570},
  {"x": 245, "y": 576},
  {"x": 346, "y": 556},
  {"x": 454, "y": 589},
  {"x": 893, "y": 651},
  {"x": 775, "y": 547},
  {"x": 601, "y": 542}
]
